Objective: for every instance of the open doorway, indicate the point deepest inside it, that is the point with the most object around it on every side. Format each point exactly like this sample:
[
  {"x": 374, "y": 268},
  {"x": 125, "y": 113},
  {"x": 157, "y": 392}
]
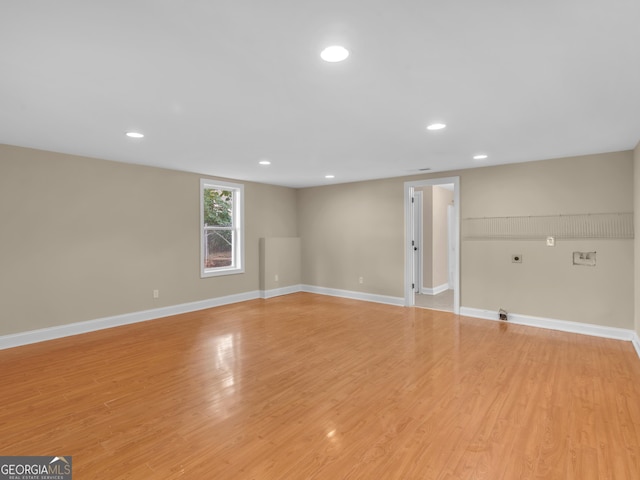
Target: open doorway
[{"x": 432, "y": 244}]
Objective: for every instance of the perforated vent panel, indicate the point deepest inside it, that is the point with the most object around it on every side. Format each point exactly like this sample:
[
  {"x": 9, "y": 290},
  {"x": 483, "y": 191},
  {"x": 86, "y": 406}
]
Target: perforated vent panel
[{"x": 596, "y": 225}]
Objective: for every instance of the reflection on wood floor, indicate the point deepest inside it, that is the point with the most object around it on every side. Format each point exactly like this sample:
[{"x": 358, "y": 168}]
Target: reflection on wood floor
[{"x": 313, "y": 387}]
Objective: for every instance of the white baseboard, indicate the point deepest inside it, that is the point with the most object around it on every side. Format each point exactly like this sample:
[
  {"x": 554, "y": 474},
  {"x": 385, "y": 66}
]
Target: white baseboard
[
  {"x": 51, "y": 333},
  {"x": 276, "y": 292},
  {"x": 552, "y": 324},
  {"x": 60, "y": 331},
  {"x": 367, "y": 297},
  {"x": 636, "y": 343},
  {"x": 435, "y": 290}
]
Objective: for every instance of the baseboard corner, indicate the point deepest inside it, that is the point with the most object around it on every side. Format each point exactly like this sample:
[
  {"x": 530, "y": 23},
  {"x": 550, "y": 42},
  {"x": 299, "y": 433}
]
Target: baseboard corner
[
  {"x": 277, "y": 292},
  {"x": 635, "y": 340},
  {"x": 435, "y": 290}
]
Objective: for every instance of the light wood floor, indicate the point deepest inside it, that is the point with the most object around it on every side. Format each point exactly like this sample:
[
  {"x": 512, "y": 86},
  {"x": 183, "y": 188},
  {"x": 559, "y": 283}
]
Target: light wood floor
[{"x": 313, "y": 387}]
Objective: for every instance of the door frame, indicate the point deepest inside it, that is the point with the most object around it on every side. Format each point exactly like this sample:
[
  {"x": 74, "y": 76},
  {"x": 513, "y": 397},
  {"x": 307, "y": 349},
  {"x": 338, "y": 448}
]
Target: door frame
[
  {"x": 409, "y": 298},
  {"x": 418, "y": 233},
  {"x": 451, "y": 244}
]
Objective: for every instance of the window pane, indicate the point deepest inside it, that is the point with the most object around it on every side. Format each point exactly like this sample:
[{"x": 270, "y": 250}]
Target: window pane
[
  {"x": 221, "y": 244},
  {"x": 218, "y": 248},
  {"x": 218, "y": 207}
]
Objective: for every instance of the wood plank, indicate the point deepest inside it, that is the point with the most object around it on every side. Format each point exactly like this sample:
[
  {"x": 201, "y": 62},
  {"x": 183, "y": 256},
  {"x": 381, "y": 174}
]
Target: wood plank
[{"x": 312, "y": 387}]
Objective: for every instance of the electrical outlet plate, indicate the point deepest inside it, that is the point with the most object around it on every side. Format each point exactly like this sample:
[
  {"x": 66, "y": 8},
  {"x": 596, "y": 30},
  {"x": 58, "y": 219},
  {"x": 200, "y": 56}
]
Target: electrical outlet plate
[
  {"x": 516, "y": 258},
  {"x": 587, "y": 259},
  {"x": 551, "y": 241}
]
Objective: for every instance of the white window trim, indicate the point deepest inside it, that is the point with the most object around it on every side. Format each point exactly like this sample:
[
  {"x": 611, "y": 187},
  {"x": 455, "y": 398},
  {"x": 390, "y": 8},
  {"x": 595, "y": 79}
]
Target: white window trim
[{"x": 238, "y": 212}]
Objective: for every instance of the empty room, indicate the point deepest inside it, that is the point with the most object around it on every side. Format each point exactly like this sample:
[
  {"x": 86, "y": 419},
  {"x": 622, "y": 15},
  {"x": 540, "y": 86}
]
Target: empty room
[{"x": 336, "y": 240}]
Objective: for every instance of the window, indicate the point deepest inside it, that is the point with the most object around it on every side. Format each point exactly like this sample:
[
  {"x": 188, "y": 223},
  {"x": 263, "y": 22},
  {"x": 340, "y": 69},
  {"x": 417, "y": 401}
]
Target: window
[{"x": 221, "y": 243}]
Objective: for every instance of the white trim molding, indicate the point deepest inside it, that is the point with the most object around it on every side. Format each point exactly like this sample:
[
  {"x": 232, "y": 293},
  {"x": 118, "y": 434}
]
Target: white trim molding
[
  {"x": 435, "y": 290},
  {"x": 552, "y": 324},
  {"x": 367, "y": 297},
  {"x": 237, "y": 228},
  {"x": 636, "y": 343},
  {"x": 276, "y": 292},
  {"x": 51, "y": 333},
  {"x": 409, "y": 297}
]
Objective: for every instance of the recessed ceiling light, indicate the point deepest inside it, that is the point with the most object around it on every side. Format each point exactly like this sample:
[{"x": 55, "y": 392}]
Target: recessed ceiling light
[
  {"x": 135, "y": 135},
  {"x": 334, "y": 53},
  {"x": 264, "y": 162},
  {"x": 329, "y": 176},
  {"x": 481, "y": 156},
  {"x": 436, "y": 126}
]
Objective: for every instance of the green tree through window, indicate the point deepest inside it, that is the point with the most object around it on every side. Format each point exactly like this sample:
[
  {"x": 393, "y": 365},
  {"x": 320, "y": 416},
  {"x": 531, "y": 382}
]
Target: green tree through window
[{"x": 220, "y": 228}]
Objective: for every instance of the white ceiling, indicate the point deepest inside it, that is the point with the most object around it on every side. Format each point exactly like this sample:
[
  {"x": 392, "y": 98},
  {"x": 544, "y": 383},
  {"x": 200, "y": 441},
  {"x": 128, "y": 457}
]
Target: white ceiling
[{"x": 217, "y": 85}]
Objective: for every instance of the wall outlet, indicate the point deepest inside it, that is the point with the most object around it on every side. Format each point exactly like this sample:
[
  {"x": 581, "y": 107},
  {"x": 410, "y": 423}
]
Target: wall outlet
[
  {"x": 156, "y": 294},
  {"x": 551, "y": 241},
  {"x": 516, "y": 258},
  {"x": 360, "y": 280},
  {"x": 275, "y": 277},
  {"x": 587, "y": 259}
]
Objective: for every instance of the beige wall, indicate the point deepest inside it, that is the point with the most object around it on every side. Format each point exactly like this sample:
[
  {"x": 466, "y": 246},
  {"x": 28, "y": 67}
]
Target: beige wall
[
  {"x": 547, "y": 284},
  {"x": 279, "y": 262},
  {"x": 427, "y": 236},
  {"x": 636, "y": 202},
  {"x": 353, "y": 228},
  {"x": 442, "y": 198},
  {"x": 84, "y": 238},
  {"x": 435, "y": 251},
  {"x": 350, "y": 231}
]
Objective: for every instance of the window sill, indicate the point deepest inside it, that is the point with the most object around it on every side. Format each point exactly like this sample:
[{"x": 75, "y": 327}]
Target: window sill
[{"x": 218, "y": 272}]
